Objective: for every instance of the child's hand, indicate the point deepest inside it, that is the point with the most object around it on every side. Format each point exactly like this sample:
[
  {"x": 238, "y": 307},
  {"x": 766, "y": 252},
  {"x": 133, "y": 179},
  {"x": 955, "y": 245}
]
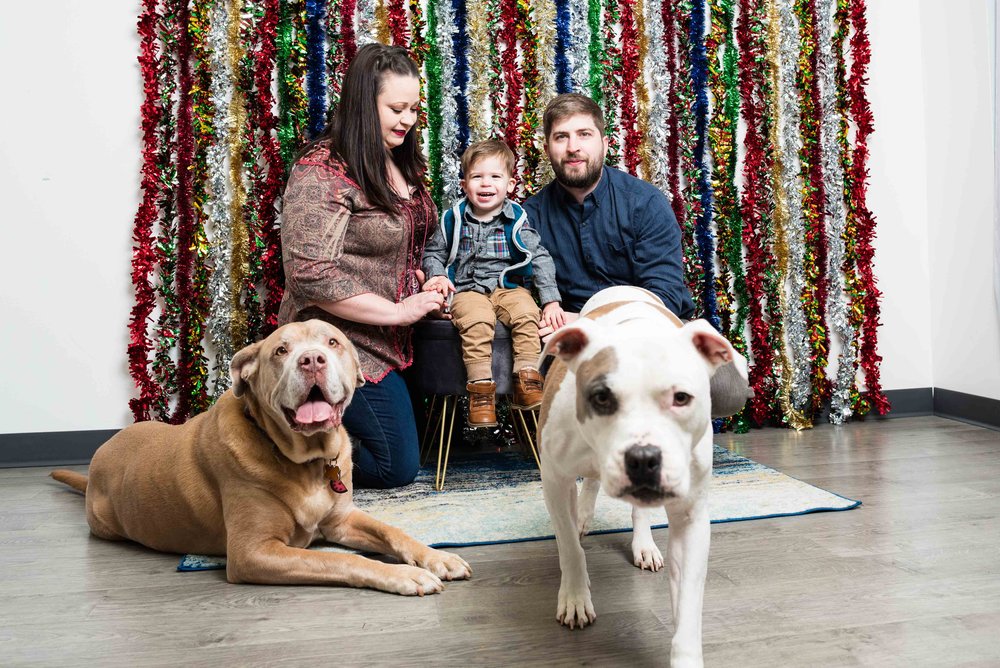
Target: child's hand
[
  {"x": 553, "y": 316},
  {"x": 440, "y": 284}
]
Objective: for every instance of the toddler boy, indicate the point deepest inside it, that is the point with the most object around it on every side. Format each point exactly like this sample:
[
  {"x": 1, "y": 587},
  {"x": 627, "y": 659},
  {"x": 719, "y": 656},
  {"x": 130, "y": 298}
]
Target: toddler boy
[{"x": 482, "y": 253}]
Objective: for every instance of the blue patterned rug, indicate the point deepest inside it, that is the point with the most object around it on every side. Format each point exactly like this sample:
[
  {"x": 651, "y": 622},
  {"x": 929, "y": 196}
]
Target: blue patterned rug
[{"x": 498, "y": 499}]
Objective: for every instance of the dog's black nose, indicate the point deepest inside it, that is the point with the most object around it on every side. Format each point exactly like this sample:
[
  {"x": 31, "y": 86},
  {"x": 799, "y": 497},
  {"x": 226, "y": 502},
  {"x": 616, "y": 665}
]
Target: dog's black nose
[
  {"x": 312, "y": 361},
  {"x": 642, "y": 464}
]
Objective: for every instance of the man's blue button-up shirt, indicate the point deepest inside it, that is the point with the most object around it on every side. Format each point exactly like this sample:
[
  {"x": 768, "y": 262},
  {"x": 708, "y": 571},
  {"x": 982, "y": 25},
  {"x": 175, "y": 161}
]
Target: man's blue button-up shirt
[{"x": 624, "y": 233}]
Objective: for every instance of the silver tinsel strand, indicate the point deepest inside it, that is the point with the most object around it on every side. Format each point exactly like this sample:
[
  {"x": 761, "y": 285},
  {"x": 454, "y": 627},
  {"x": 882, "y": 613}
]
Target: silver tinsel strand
[
  {"x": 579, "y": 45},
  {"x": 449, "y": 106},
  {"x": 365, "y": 31},
  {"x": 658, "y": 84}
]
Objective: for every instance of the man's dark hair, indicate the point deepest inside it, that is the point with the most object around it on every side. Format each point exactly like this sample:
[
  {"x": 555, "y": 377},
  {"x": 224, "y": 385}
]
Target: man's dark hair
[
  {"x": 354, "y": 133},
  {"x": 571, "y": 104}
]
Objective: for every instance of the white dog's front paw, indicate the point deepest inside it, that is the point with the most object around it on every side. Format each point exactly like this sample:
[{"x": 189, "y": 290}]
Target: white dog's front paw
[
  {"x": 685, "y": 656},
  {"x": 584, "y": 521},
  {"x": 645, "y": 554},
  {"x": 575, "y": 609}
]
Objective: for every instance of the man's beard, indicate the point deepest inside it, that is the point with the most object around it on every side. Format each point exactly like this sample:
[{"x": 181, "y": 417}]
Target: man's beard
[{"x": 590, "y": 175}]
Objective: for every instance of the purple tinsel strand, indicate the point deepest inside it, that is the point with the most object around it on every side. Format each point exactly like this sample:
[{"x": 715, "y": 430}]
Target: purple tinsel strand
[
  {"x": 564, "y": 83},
  {"x": 703, "y": 231},
  {"x": 460, "y": 41},
  {"x": 316, "y": 76}
]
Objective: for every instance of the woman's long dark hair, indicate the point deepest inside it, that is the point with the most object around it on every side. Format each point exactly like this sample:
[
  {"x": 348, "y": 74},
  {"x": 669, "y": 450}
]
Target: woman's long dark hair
[{"x": 354, "y": 133}]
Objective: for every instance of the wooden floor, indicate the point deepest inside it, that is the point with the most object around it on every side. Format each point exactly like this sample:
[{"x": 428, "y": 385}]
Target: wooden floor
[{"x": 911, "y": 578}]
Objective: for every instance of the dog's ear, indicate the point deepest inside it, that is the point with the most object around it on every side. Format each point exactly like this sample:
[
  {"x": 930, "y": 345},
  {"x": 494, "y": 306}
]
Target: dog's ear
[
  {"x": 567, "y": 343},
  {"x": 709, "y": 343},
  {"x": 359, "y": 376},
  {"x": 243, "y": 367}
]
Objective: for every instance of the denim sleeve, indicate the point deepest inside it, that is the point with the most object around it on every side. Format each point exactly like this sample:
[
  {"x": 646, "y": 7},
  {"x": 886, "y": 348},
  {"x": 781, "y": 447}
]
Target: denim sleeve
[
  {"x": 542, "y": 268},
  {"x": 658, "y": 262},
  {"x": 436, "y": 253}
]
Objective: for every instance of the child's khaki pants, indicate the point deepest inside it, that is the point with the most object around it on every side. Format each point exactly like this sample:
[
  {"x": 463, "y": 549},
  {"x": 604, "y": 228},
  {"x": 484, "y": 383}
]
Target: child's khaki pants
[{"x": 475, "y": 316}]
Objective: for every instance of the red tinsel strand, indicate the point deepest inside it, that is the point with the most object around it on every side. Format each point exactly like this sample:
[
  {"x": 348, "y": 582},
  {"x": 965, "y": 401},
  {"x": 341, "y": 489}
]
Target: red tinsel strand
[
  {"x": 266, "y": 122},
  {"x": 753, "y": 207},
  {"x": 143, "y": 256},
  {"x": 629, "y": 77},
  {"x": 862, "y": 115},
  {"x": 398, "y": 29},
  {"x": 814, "y": 295},
  {"x": 253, "y": 172},
  {"x": 185, "y": 216},
  {"x": 347, "y": 39},
  {"x": 611, "y": 69},
  {"x": 512, "y": 77},
  {"x": 673, "y": 143},
  {"x": 527, "y": 32},
  {"x": 690, "y": 169}
]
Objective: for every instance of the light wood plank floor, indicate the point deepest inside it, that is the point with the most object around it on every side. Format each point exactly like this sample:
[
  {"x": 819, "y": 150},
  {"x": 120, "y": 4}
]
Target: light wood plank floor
[{"x": 912, "y": 578}]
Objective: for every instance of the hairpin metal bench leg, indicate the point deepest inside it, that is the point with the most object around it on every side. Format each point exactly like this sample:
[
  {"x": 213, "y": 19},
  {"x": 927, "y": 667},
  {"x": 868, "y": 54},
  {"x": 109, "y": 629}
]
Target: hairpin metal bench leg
[
  {"x": 429, "y": 432},
  {"x": 444, "y": 444},
  {"x": 529, "y": 433}
]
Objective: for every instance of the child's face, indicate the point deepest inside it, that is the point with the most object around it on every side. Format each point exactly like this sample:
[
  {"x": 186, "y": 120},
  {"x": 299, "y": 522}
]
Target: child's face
[{"x": 486, "y": 184}]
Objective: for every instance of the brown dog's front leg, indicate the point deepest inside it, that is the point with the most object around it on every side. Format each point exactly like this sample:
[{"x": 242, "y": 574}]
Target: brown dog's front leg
[
  {"x": 272, "y": 562},
  {"x": 363, "y": 532}
]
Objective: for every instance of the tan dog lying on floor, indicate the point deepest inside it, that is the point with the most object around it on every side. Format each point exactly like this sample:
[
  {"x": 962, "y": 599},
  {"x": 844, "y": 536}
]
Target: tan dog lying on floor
[{"x": 260, "y": 476}]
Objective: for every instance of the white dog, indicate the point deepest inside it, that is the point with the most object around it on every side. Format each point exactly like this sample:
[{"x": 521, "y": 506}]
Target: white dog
[{"x": 627, "y": 407}]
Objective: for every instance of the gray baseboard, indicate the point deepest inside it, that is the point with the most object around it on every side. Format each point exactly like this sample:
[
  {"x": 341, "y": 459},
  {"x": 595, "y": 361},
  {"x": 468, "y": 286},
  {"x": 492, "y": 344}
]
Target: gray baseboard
[
  {"x": 51, "y": 448},
  {"x": 971, "y": 408},
  {"x": 910, "y": 402}
]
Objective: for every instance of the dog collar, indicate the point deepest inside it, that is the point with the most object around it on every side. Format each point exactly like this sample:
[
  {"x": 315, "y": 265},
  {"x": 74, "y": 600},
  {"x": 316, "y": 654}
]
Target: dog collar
[{"x": 332, "y": 473}]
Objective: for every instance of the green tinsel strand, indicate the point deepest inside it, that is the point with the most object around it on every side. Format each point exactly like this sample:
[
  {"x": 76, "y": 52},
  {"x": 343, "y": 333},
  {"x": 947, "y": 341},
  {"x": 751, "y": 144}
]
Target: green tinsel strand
[
  {"x": 596, "y": 76},
  {"x": 433, "y": 65}
]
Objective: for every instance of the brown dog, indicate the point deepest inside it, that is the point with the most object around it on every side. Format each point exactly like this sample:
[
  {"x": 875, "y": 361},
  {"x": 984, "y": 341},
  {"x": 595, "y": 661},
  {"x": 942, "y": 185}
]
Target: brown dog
[{"x": 260, "y": 476}]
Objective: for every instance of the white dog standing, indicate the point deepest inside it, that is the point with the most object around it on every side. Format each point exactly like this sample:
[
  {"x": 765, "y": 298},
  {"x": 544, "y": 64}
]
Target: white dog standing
[{"x": 627, "y": 407}]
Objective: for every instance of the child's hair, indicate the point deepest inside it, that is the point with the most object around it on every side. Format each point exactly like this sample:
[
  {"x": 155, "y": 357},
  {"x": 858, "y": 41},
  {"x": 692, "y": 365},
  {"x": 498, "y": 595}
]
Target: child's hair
[{"x": 488, "y": 149}]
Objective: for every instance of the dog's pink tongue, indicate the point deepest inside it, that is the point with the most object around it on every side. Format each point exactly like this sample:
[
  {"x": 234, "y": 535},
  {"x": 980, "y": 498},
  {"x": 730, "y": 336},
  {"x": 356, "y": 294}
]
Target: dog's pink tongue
[{"x": 313, "y": 411}]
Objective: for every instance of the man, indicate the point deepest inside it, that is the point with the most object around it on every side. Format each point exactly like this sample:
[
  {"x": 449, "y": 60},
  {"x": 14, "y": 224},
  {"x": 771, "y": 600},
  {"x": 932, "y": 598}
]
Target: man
[{"x": 604, "y": 227}]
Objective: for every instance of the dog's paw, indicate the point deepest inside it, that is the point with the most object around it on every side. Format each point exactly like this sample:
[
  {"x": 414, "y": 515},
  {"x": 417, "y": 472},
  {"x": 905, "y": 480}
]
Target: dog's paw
[
  {"x": 575, "y": 608},
  {"x": 685, "y": 657},
  {"x": 446, "y": 565},
  {"x": 646, "y": 555},
  {"x": 411, "y": 581}
]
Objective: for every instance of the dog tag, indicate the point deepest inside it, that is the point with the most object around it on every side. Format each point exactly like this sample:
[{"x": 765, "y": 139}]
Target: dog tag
[{"x": 332, "y": 474}]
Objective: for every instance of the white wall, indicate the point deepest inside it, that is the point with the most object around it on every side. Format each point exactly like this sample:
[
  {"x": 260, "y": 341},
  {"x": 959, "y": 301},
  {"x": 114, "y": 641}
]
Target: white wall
[{"x": 69, "y": 172}]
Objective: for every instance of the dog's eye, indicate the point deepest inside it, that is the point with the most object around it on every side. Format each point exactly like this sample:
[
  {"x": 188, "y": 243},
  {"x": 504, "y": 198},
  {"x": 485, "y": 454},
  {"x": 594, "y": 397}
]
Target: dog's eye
[
  {"x": 603, "y": 400},
  {"x": 681, "y": 398},
  {"x": 280, "y": 350},
  {"x": 334, "y": 343}
]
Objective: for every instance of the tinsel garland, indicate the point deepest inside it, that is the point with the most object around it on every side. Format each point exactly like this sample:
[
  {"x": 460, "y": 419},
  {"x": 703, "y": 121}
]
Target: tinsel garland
[
  {"x": 482, "y": 67},
  {"x": 642, "y": 93},
  {"x": 531, "y": 81},
  {"x": 595, "y": 54},
  {"x": 629, "y": 77},
  {"x": 202, "y": 117},
  {"x": 316, "y": 76},
  {"x": 789, "y": 232},
  {"x": 239, "y": 269},
  {"x": 419, "y": 47},
  {"x": 658, "y": 132},
  {"x": 862, "y": 115},
  {"x": 731, "y": 288},
  {"x": 511, "y": 109},
  {"x": 167, "y": 323},
  {"x": 754, "y": 206},
  {"x": 611, "y": 80},
  {"x": 545, "y": 29},
  {"x": 372, "y": 23},
  {"x": 184, "y": 248},
  {"x": 458, "y": 83},
  {"x": 335, "y": 60},
  {"x": 269, "y": 182},
  {"x": 813, "y": 203},
  {"x": 451, "y": 93},
  {"x": 399, "y": 31},
  {"x": 434, "y": 78},
  {"x": 673, "y": 161},
  {"x": 579, "y": 45},
  {"x": 143, "y": 255},
  {"x": 706, "y": 240},
  {"x": 564, "y": 81},
  {"x": 219, "y": 204},
  {"x": 689, "y": 167},
  {"x": 833, "y": 174},
  {"x": 291, "y": 62},
  {"x": 347, "y": 44}
]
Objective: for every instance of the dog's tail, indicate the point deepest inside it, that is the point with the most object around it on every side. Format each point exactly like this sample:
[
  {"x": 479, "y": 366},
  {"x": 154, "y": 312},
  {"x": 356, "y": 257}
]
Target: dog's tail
[{"x": 77, "y": 481}]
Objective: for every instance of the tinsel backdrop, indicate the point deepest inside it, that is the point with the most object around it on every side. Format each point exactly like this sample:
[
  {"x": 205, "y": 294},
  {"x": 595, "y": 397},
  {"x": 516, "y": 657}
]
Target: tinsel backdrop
[{"x": 751, "y": 116}]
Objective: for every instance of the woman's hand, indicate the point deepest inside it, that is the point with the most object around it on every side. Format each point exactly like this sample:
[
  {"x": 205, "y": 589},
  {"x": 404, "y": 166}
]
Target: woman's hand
[{"x": 416, "y": 306}]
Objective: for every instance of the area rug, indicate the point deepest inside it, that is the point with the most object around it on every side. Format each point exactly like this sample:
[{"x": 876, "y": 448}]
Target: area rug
[{"x": 498, "y": 499}]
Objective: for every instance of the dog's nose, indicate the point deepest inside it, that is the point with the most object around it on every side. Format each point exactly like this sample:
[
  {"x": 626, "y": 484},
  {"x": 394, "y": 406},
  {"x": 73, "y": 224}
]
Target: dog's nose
[
  {"x": 312, "y": 361},
  {"x": 642, "y": 464}
]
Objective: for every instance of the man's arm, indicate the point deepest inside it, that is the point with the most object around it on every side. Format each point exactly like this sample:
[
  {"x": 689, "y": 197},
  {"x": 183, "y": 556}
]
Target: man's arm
[{"x": 658, "y": 261}]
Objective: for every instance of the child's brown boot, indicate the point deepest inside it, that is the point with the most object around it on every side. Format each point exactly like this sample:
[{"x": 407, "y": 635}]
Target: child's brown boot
[
  {"x": 527, "y": 389},
  {"x": 482, "y": 403}
]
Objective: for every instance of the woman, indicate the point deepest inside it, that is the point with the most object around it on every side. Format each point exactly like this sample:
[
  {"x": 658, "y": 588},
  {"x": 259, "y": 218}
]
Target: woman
[{"x": 355, "y": 220}]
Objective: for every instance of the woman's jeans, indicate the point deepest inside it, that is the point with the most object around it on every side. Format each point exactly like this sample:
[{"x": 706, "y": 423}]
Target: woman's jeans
[{"x": 382, "y": 427}]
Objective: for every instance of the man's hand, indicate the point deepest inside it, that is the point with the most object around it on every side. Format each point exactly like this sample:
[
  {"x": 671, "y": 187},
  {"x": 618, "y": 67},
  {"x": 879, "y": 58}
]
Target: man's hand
[
  {"x": 439, "y": 284},
  {"x": 545, "y": 329}
]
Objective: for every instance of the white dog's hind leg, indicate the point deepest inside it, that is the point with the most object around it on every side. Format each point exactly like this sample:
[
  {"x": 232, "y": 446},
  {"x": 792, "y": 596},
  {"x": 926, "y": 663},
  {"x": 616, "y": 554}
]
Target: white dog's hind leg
[
  {"x": 687, "y": 551},
  {"x": 645, "y": 554},
  {"x": 585, "y": 504},
  {"x": 575, "y": 608}
]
